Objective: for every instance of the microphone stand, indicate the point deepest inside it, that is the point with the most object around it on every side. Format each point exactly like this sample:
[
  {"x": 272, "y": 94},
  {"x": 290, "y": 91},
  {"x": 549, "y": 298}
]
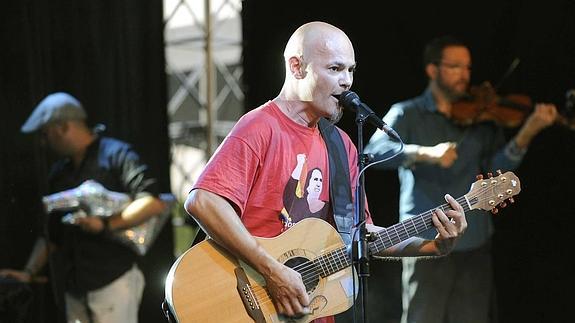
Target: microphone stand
[{"x": 362, "y": 250}]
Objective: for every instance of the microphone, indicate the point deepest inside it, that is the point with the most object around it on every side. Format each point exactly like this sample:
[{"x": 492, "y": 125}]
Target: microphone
[{"x": 351, "y": 101}]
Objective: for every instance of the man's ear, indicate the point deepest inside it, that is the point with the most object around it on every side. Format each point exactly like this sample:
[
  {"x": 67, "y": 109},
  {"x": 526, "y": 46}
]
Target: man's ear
[
  {"x": 297, "y": 67},
  {"x": 431, "y": 70}
]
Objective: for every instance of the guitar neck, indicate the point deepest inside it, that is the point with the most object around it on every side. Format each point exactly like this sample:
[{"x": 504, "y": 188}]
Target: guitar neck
[
  {"x": 338, "y": 259},
  {"x": 408, "y": 228},
  {"x": 485, "y": 194}
]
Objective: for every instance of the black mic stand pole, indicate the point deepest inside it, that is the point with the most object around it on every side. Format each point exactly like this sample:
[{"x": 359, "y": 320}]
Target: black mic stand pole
[{"x": 362, "y": 252}]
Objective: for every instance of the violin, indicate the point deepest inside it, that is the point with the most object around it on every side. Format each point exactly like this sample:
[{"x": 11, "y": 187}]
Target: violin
[{"x": 483, "y": 104}]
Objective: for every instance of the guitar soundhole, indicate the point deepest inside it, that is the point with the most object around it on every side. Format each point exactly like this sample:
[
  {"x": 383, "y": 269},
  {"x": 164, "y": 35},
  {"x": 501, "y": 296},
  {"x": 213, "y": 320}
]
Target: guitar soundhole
[{"x": 308, "y": 271}]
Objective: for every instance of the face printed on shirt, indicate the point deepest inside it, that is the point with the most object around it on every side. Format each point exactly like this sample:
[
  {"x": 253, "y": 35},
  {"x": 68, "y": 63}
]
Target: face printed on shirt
[
  {"x": 299, "y": 203},
  {"x": 315, "y": 184}
]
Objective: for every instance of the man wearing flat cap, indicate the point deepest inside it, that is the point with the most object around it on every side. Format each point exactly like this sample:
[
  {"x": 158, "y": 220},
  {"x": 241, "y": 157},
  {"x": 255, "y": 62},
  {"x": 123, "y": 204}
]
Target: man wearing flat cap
[
  {"x": 55, "y": 107},
  {"x": 95, "y": 275}
]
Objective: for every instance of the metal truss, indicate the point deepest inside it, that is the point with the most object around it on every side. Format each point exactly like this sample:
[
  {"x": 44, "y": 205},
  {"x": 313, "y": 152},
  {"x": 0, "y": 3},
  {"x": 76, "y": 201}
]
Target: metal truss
[{"x": 203, "y": 49}]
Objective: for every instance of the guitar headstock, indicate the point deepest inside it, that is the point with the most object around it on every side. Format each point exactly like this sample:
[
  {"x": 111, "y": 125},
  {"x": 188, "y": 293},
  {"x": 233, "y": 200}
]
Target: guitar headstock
[{"x": 489, "y": 193}]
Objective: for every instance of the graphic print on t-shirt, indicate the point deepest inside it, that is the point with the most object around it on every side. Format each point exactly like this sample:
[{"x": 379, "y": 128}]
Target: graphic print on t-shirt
[{"x": 302, "y": 194}]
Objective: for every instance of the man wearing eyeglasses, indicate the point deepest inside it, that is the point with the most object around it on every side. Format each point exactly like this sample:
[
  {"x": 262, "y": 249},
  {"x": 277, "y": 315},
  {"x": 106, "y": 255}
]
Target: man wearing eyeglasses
[{"x": 442, "y": 156}]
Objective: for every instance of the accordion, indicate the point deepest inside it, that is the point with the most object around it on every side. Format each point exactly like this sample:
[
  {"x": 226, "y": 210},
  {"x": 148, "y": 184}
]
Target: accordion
[{"x": 93, "y": 199}]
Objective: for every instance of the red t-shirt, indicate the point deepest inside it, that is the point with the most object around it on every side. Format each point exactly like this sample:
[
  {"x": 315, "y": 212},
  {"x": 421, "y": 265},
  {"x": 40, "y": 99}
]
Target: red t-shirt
[
  {"x": 253, "y": 169},
  {"x": 275, "y": 172}
]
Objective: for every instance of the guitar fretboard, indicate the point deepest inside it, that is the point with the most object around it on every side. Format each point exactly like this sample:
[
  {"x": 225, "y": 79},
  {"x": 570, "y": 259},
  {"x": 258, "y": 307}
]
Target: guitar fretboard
[
  {"x": 408, "y": 228},
  {"x": 338, "y": 259}
]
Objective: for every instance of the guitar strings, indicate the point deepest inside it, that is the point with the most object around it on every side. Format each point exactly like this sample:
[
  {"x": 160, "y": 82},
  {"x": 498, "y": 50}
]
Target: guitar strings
[
  {"x": 306, "y": 268},
  {"x": 418, "y": 227},
  {"x": 309, "y": 269}
]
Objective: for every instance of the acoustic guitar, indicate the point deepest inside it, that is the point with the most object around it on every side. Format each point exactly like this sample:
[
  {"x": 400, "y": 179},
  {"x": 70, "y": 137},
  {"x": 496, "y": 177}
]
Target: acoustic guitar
[{"x": 208, "y": 284}]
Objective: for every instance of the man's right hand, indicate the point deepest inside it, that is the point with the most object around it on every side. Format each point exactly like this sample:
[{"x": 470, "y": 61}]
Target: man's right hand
[{"x": 288, "y": 292}]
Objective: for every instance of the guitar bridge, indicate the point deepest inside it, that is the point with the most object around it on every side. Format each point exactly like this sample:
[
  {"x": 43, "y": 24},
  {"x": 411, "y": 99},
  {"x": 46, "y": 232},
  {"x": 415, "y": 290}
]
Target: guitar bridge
[{"x": 246, "y": 294}]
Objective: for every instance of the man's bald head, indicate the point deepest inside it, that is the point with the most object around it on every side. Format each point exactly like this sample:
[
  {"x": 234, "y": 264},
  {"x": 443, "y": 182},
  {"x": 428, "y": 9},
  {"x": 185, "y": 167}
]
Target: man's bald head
[
  {"x": 315, "y": 36},
  {"x": 319, "y": 62}
]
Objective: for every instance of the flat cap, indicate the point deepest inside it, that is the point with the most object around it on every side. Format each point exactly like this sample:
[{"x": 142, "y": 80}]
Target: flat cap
[{"x": 57, "y": 106}]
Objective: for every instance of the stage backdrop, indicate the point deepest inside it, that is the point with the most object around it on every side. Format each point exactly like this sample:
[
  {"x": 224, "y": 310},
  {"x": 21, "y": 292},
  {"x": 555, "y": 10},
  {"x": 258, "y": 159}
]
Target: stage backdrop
[
  {"x": 110, "y": 55},
  {"x": 532, "y": 239}
]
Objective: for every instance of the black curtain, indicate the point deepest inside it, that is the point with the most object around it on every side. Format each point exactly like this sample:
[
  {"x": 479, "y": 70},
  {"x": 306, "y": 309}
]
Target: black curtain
[
  {"x": 110, "y": 55},
  {"x": 532, "y": 239}
]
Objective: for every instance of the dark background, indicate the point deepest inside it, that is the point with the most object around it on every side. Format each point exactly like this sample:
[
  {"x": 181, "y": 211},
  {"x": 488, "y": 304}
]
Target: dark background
[{"x": 110, "y": 55}]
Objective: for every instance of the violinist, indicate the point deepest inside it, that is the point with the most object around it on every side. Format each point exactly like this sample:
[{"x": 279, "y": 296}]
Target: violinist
[{"x": 442, "y": 156}]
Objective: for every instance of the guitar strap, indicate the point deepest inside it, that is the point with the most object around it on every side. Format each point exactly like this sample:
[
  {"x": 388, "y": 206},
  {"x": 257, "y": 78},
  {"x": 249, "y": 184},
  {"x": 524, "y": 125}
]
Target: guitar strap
[{"x": 339, "y": 181}]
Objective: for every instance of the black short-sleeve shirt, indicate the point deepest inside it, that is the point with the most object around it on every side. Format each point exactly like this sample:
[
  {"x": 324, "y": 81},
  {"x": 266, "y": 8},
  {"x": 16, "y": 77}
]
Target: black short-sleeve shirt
[{"x": 86, "y": 261}]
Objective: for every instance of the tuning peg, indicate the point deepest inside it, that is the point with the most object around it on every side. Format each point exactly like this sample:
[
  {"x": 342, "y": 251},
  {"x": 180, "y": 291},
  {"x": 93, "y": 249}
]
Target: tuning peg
[
  {"x": 503, "y": 204},
  {"x": 511, "y": 200},
  {"x": 479, "y": 177},
  {"x": 499, "y": 172},
  {"x": 489, "y": 175},
  {"x": 494, "y": 210}
]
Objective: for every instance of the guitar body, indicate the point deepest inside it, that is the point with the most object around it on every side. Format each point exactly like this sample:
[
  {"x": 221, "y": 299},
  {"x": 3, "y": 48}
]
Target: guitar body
[{"x": 202, "y": 285}]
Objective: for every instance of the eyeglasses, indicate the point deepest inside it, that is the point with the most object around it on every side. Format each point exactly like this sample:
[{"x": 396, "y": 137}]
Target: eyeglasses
[{"x": 455, "y": 67}]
